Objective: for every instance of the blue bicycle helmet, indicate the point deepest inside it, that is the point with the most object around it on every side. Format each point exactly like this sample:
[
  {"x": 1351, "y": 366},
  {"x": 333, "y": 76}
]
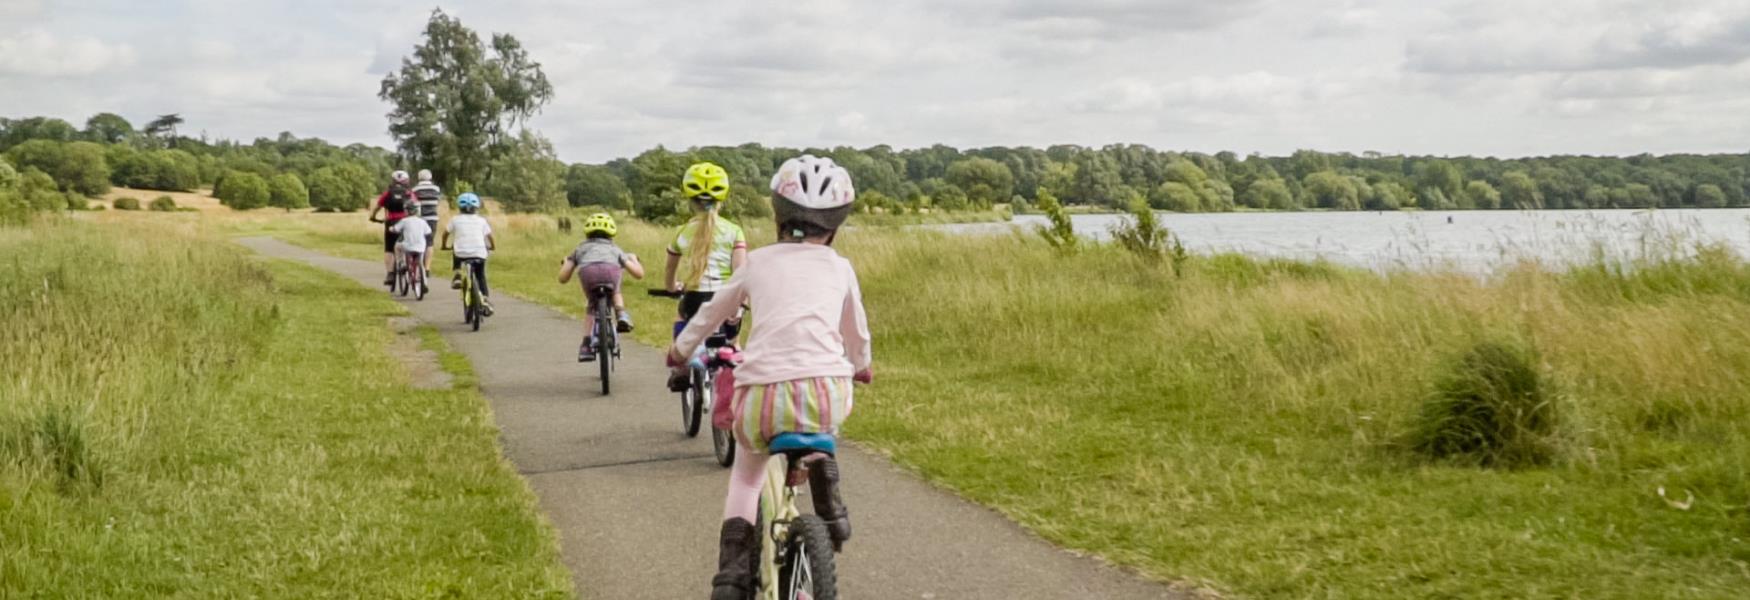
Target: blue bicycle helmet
[{"x": 468, "y": 201}]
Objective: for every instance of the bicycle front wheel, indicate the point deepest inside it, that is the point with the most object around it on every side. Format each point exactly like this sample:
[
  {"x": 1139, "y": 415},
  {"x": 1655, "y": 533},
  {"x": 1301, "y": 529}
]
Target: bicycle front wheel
[
  {"x": 723, "y": 446},
  {"x": 693, "y": 403},
  {"x": 807, "y": 570}
]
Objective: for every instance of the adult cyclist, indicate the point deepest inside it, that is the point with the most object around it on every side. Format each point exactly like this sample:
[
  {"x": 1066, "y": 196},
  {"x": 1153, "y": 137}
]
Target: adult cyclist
[
  {"x": 429, "y": 196},
  {"x": 712, "y": 247},
  {"x": 394, "y": 204}
]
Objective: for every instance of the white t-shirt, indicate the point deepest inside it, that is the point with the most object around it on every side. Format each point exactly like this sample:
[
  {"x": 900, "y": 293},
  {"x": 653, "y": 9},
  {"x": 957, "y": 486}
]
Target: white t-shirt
[
  {"x": 412, "y": 232},
  {"x": 468, "y": 235}
]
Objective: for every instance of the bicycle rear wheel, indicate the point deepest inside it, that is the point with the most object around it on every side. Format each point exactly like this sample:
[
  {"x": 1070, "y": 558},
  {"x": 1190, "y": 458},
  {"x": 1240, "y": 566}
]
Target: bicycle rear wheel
[
  {"x": 475, "y": 300},
  {"x": 419, "y": 288},
  {"x": 604, "y": 352},
  {"x": 807, "y": 570}
]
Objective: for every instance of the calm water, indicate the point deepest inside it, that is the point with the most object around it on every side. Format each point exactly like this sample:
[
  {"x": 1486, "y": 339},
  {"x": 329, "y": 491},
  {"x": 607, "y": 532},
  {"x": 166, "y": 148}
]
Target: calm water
[{"x": 1473, "y": 240}]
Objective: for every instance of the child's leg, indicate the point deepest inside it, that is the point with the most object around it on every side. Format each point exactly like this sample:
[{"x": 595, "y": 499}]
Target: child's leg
[
  {"x": 743, "y": 499},
  {"x": 738, "y": 543}
]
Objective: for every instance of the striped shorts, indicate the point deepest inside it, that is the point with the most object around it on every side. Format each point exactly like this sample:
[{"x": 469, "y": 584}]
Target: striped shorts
[{"x": 815, "y": 405}]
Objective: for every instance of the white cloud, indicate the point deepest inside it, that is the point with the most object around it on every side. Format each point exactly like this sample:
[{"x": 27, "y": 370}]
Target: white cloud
[
  {"x": 1428, "y": 76},
  {"x": 39, "y": 52}
]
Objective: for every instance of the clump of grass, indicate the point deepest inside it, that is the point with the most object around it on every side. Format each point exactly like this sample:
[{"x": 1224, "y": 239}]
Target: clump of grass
[
  {"x": 127, "y": 203},
  {"x": 54, "y": 442},
  {"x": 1490, "y": 407}
]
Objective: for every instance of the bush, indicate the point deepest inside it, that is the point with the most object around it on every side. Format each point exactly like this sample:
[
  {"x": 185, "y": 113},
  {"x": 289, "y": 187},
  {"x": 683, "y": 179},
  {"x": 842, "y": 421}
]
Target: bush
[
  {"x": 169, "y": 170},
  {"x": 163, "y": 204},
  {"x": 75, "y": 167},
  {"x": 287, "y": 191},
  {"x": 242, "y": 191},
  {"x": 1490, "y": 408},
  {"x": 341, "y": 188},
  {"x": 126, "y": 203},
  {"x": 1062, "y": 232}
]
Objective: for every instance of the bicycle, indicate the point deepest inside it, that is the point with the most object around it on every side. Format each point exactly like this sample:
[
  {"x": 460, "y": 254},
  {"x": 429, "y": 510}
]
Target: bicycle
[
  {"x": 607, "y": 337},
  {"x": 409, "y": 275},
  {"x": 796, "y": 559},
  {"x": 712, "y": 381},
  {"x": 473, "y": 304}
]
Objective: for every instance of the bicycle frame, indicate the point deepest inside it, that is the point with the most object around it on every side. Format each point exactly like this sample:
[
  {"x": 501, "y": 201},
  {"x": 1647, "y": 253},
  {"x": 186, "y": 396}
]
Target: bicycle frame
[{"x": 777, "y": 510}]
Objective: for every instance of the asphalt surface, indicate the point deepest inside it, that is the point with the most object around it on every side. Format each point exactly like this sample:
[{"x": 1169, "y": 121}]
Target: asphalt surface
[{"x": 637, "y": 503}]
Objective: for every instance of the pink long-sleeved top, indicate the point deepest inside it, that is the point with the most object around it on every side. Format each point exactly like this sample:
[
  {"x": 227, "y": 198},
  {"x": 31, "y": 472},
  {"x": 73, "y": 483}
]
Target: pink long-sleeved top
[{"x": 808, "y": 322}]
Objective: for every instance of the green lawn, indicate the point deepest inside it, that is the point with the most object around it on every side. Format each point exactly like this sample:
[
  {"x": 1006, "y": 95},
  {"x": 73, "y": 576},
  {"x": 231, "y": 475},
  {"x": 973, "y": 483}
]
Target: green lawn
[
  {"x": 1242, "y": 425},
  {"x": 184, "y": 420}
]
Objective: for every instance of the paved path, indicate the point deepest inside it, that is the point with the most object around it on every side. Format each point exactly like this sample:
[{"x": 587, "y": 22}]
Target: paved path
[{"x": 637, "y": 504}]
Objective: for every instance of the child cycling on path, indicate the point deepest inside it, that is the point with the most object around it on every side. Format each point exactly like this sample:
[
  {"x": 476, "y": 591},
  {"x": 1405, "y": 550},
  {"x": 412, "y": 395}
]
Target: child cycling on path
[
  {"x": 810, "y": 342},
  {"x": 597, "y": 262},
  {"x": 472, "y": 242},
  {"x": 713, "y": 248},
  {"x": 394, "y": 201}
]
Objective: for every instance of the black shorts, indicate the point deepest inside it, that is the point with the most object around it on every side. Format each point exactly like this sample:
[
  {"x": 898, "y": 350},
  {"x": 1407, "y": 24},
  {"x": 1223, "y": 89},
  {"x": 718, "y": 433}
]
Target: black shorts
[{"x": 389, "y": 237}]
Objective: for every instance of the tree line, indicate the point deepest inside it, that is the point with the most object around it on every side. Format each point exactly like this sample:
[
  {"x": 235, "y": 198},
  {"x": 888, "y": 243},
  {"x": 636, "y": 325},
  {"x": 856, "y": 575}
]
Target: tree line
[
  {"x": 55, "y": 164},
  {"x": 1117, "y": 176}
]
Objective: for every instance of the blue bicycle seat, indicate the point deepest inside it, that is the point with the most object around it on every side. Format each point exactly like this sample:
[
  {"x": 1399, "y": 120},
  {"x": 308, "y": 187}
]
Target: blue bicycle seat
[{"x": 804, "y": 442}]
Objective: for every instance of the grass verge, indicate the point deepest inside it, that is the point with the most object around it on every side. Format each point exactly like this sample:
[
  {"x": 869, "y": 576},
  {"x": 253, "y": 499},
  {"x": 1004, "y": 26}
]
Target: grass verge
[
  {"x": 1241, "y": 424},
  {"x": 253, "y": 436}
]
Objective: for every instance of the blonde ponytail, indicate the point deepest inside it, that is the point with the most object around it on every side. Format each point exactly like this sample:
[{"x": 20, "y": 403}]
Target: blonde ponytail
[{"x": 704, "y": 240}]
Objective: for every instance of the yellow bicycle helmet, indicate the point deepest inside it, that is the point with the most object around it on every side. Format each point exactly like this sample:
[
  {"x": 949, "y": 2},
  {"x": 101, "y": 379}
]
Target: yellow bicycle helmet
[
  {"x": 602, "y": 222},
  {"x": 706, "y": 181}
]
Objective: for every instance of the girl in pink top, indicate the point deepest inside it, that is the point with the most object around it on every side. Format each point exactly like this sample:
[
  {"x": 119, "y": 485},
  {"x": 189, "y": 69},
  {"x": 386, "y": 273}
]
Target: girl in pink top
[{"x": 810, "y": 340}]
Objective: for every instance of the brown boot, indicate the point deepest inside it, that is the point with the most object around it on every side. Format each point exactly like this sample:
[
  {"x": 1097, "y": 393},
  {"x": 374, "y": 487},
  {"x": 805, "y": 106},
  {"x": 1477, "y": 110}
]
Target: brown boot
[
  {"x": 823, "y": 482},
  {"x": 738, "y": 550}
]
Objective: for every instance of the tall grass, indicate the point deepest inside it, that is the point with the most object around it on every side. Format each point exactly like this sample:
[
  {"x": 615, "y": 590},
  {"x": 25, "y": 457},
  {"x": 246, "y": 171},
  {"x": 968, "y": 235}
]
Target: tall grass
[
  {"x": 179, "y": 420},
  {"x": 1241, "y": 425}
]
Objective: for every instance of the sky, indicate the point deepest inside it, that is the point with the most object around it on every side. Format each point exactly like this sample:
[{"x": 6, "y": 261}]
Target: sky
[{"x": 1469, "y": 77}]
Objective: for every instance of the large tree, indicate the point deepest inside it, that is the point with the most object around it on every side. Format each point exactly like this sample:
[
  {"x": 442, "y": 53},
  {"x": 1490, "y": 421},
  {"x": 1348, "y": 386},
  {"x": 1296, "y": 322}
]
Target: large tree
[
  {"x": 458, "y": 102},
  {"x": 108, "y": 128}
]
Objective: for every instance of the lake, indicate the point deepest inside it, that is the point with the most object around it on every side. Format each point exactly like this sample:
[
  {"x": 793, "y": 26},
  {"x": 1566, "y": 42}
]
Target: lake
[{"x": 1468, "y": 240}]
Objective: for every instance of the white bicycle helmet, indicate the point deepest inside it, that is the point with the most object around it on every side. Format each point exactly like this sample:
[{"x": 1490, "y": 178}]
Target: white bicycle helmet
[
  {"x": 424, "y": 175},
  {"x": 809, "y": 192},
  {"x": 399, "y": 176}
]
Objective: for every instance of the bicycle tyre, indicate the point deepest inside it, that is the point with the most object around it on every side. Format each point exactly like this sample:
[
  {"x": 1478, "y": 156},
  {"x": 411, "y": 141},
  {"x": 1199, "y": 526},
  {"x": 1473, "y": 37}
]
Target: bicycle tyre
[
  {"x": 419, "y": 287},
  {"x": 693, "y": 407},
  {"x": 604, "y": 349},
  {"x": 474, "y": 298},
  {"x": 723, "y": 446},
  {"x": 808, "y": 563}
]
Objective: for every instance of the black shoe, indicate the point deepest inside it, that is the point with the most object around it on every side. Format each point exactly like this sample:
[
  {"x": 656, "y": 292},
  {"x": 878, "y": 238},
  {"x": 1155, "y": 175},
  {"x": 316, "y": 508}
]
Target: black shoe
[
  {"x": 586, "y": 352},
  {"x": 823, "y": 483},
  {"x": 624, "y": 326},
  {"x": 678, "y": 381},
  {"x": 737, "y": 550}
]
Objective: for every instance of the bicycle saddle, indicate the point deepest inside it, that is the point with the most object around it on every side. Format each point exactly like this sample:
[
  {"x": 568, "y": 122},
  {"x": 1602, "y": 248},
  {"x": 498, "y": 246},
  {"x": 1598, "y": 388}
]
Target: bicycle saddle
[{"x": 785, "y": 443}]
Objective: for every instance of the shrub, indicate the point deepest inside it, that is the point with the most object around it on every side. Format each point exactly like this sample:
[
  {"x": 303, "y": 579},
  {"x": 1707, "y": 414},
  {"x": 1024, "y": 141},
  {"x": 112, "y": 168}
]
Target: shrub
[
  {"x": 341, "y": 188},
  {"x": 242, "y": 191},
  {"x": 39, "y": 191},
  {"x": 171, "y": 170},
  {"x": 1491, "y": 408},
  {"x": 1142, "y": 234},
  {"x": 287, "y": 191},
  {"x": 126, "y": 203},
  {"x": 75, "y": 167},
  {"x": 163, "y": 204},
  {"x": 1062, "y": 232}
]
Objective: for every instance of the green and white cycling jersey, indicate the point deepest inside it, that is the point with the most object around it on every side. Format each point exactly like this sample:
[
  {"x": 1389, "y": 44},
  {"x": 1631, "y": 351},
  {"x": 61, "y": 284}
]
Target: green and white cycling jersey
[{"x": 718, "y": 265}]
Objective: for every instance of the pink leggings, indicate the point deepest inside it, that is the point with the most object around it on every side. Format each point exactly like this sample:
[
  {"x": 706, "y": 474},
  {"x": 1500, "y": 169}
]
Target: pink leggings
[{"x": 745, "y": 479}]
